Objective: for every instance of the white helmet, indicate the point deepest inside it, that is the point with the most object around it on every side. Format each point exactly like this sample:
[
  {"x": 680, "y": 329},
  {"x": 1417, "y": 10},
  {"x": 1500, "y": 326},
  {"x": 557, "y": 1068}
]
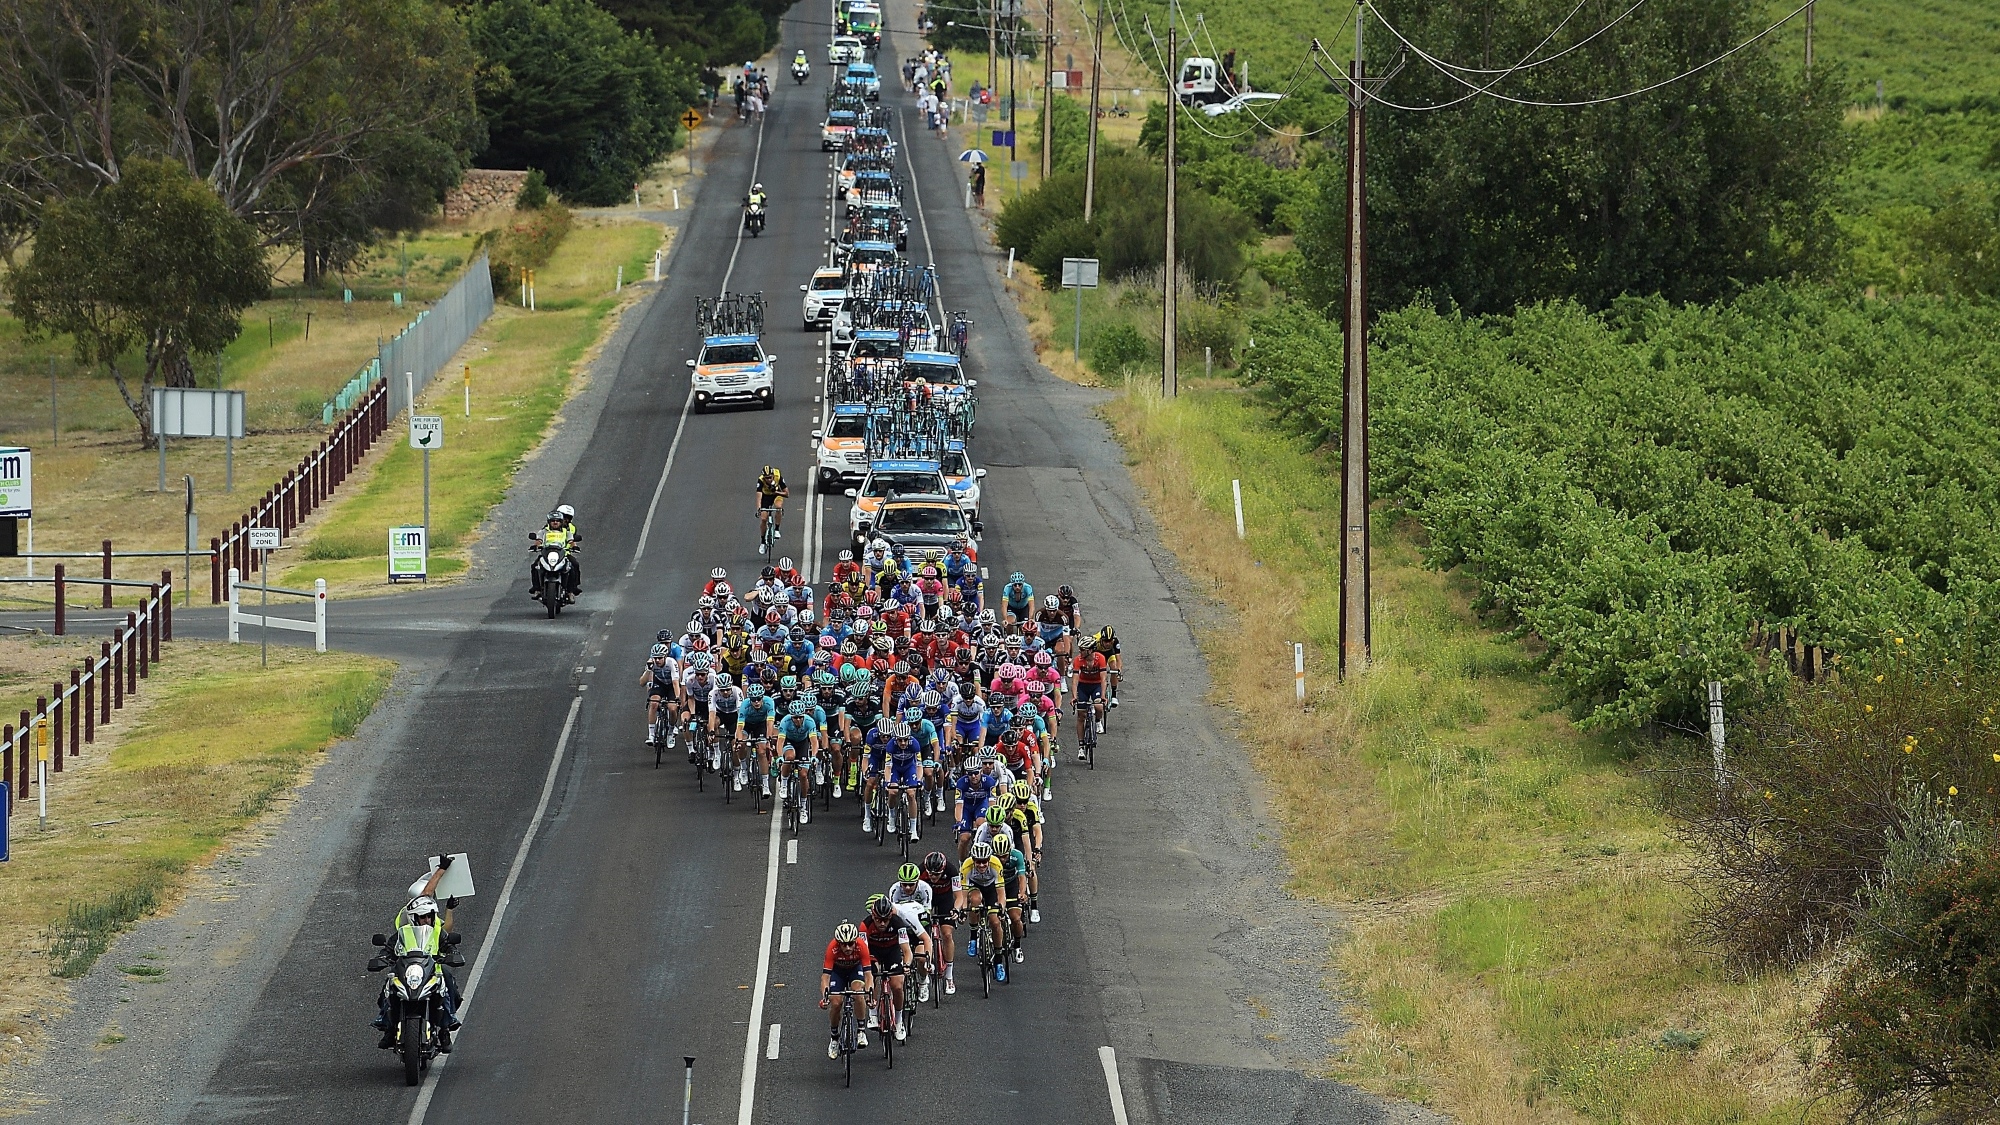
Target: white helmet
[
  {"x": 422, "y": 905},
  {"x": 659, "y": 651},
  {"x": 566, "y": 511},
  {"x": 718, "y": 574}
]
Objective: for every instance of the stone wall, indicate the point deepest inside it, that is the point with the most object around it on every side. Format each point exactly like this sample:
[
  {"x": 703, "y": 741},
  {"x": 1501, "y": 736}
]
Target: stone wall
[{"x": 481, "y": 189}]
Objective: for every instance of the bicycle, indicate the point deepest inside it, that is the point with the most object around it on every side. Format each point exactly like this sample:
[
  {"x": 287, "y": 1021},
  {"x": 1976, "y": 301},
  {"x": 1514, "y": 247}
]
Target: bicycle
[
  {"x": 662, "y": 725},
  {"x": 792, "y": 796},
  {"x": 697, "y": 742},
  {"x": 983, "y": 949},
  {"x": 850, "y": 1030},
  {"x": 767, "y": 530},
  {"x": 727, "y": 767},
  {"x": 1087, "y": 737}
]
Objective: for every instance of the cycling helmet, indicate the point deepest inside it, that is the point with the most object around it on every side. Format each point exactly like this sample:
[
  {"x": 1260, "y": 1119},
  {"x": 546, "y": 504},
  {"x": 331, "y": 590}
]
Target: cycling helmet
[
  {"x": 903, "y": 731},
  {"x": 660, "y": 651},
  {"x": 886, "y": 724},
  {"x": 722, "y": 590},
  {"x": 772, "y": 617},
  {"x": 768, "y": 573},
  {"x": 878, "y": 906},
  {"x": 796, "y": 634},
  {"x": 825, "y": 678},
  {"x": 826, "y": 642},
  {"x": 725, "y": 680},
  {"x": 981, "y": 852},
  {"x": 700, "y": 642},
  {"x": 1003, "y": 802},
  {"x": 913, "y": 714},
  {"x": 1051, "y": 602},
  {"x": 930, "y": 699},
  {"x": 1086, "y": 643},
  {"x": 664, "y": 636},
  {"x": 847, "y": 556},
  {"x": 849, "y": 648},
  {"x": 797, "y": 709},
  {"x": 1022, "y": 791},
  {"x": 935, "y": 862},
  {"x": 788, "y": 683},
  {"x": 988, "y": 755},
  {"x": 1003, "y": 842},
  {"x": 900, "y": 667},
  {"x": 1043, "y": 660},
  {"x": 701, "y": 662},
  {"x": 1022, "y": 720},
  {"x": 718, "y": 574},
  {"x": 1017, "y": 576},
  {"x": 756, "y": 692},
  {"x": 1108, "y": 634},
  {"x": 1039, "y": 687},
  {"x": 846, "y": 933},
  {"x": 908, "y": 873},
  {"x": 785, "y": 563}
]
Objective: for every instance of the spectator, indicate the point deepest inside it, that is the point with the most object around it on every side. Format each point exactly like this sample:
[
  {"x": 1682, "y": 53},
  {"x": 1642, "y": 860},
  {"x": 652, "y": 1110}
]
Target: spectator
[
  {"x": 979, "y": 183},
  {"x": 755, "y": 104}
]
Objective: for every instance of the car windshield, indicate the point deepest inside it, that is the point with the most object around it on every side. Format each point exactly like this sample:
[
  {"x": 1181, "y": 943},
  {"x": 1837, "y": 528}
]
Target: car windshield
[
  {"x": 882, "y": 484},
  {"x": 927, "y": 518},
  {"x": 848, "y": 426},
  {"x": 872, "y": 254},
  {"x": 877, "y": 349},
  {"x": 826, "y": 283},
  {"x": 957, "y": 464},
  {"x": 730, "y": 353},
  {"x": 937, "y": 374}
]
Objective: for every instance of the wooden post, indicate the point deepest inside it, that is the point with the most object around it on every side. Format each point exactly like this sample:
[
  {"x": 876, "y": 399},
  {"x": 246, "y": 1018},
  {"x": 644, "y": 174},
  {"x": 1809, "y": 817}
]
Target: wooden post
[
  {"x": 75, "y": 720},
  {"x": 167, "y": 606},
  {"x": 42, "y": 708},
  {"x": 153, "y": 624},
  {"x": 61, "y": 600},
  {"x": 56, "y": 721},
  {"x": 137, "y": 628},
  {"x": 90, "y": 703},
  {"x": 105, "y": 692},
  {"x": 107, "y": 574}
]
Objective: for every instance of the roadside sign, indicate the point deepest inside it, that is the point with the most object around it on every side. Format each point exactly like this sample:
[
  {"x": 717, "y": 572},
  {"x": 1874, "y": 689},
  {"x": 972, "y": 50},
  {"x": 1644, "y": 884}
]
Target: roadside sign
[
  {"x": 1079, "y": 273},
  {"x": 426, "y": 431},
  {"x": 1003, "y": 138},
  {"x": 690, "y": 120},
  {"x": 265, "y": 538},
  {"x": 409, "y": 555},
  {"x": 17, "y": 483}
]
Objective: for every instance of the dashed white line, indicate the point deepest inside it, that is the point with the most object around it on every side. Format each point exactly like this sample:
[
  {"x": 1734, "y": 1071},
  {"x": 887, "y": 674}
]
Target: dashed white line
[
  {"x": 771, "y": 1052},
  {"x": 792, "y": 850},
  {"x": 785, "y": 940}
]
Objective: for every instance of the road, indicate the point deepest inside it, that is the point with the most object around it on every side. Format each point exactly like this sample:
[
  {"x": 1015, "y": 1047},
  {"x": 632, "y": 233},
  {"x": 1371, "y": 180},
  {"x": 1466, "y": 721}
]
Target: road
[{"x": 625, "y": 920}]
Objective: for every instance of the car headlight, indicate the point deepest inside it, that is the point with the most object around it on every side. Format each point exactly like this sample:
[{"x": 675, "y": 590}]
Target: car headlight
[{"x": 413, "y": 976}]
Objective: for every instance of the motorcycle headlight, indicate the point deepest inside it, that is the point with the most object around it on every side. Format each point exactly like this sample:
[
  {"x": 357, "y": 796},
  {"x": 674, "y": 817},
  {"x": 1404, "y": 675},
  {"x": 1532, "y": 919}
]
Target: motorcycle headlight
[
  {"x": 413, "y": 977},
  {"x": 552, "y": 558}
]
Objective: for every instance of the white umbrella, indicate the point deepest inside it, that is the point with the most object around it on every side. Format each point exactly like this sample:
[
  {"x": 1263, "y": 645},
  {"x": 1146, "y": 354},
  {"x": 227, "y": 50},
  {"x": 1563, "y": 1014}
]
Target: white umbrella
[{"x": 972, "y": 156}]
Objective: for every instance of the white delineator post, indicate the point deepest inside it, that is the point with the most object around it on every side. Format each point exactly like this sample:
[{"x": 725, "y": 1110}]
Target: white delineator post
[
  {"x": 1715, "y": 733},
  {"x": 319, "y": 615},
  {"x": 1299, "y": 671},
  {"x": 235, "y": 630},
  {"x": 1236, "y": 488}
]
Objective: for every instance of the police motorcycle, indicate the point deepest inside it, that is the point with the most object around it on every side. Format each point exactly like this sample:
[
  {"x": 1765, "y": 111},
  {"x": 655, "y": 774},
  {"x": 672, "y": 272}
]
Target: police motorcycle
[
  {"x": 414, "y": 987},
  {"x": 549, "y": 570},
  {"x": 753, "y": 211},
  {"x": 801, "y": 69}
]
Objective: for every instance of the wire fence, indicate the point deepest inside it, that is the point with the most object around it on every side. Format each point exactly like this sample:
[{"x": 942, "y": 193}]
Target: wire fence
[{"x": 436, "y": 335}]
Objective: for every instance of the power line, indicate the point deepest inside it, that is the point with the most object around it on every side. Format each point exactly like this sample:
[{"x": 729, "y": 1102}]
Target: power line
[
  {"x": 1487, "y": 90},
  {"x": 1636, "y": 5}
]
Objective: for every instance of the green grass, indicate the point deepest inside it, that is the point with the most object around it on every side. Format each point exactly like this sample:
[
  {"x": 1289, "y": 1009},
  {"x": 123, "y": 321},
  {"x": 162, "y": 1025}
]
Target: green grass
[
  {"x": 1520, "y": 935},
  {"x": 1928, "y": 54},
  {"x": 519, "y": 381}
]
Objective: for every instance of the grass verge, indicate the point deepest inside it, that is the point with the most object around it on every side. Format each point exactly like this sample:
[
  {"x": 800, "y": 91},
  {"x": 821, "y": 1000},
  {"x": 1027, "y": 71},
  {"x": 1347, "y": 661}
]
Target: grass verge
[
  {"x": 522, "y": 366},
  {"x": 1518, "y": 950},
  {"x": 208, "y": 747}
]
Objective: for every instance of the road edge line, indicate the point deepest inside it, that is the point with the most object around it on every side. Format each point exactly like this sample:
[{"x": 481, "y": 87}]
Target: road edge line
[
  {"x": 748, "y": 1095},
  {"x": 1109, "y": 1058}
]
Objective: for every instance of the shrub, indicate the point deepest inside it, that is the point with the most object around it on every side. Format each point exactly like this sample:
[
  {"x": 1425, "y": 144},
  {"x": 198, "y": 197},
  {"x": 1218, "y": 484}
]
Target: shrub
[
  {"x": 1817, "y": 794},
  {"x": 1118, "y": 347},
  {"x": 534, "y": 192},
  {"x": 1125, "y": 233},
  {"x": 1913, "y": 1024},
  {"x": 526, "y": 243}
]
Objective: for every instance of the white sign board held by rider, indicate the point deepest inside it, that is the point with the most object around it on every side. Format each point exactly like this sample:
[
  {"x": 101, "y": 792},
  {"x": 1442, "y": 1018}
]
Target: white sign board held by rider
[
  {"x": 409, "y": 555},
  {"x": 457, "y": 881}
]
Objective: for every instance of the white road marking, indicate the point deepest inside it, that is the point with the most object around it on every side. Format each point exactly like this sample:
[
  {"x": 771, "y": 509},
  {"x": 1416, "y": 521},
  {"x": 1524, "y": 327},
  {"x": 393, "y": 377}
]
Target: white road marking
[
  {"x": 792, "y": 850},
  {"x": 1109, "y": 1058},
  {"x": 771, "y": 1052},
  {"x": 785, "y": 940},
  {"x": 917, "y": 197},
  {"x": 747, "y": 1098},
  {"x": 480, "y": 962}
]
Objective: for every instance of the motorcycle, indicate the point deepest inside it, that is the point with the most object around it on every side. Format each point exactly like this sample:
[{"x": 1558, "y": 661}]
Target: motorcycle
[
  {"x": 753, "y": 218},
  {"x": 547, "y": 576},
  {"x": 801, "y": 72},
  {"x": 415, "y": 986}
]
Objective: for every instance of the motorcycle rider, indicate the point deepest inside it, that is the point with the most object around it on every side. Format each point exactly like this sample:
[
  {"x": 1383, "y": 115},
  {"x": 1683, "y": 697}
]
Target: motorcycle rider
[
  {"x": 800, "y": 67},
  {"x": 561, "y": 531},
  {"x": 755, "y": 201},
  {"x": 417, "y": 928}
]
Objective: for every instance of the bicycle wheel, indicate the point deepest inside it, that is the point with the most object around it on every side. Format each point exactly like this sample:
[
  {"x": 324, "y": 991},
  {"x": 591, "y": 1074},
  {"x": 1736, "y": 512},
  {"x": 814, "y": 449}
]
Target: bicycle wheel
[
  {"x": 848, "y": 1030},
  {"x": 727, "y": 774}
]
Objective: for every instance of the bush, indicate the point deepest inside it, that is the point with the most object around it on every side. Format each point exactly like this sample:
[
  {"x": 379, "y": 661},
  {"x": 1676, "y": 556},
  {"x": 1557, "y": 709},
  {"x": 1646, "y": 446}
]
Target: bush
[
  {"x": 1119, "y": 347},
  {"x": 1817, "y": 794},
  {"x": 1913, "y": 1024},
  {"x": 526, "y": 243},
  {"x": 1125, "y": 233},
  {"x": 534, "y": 192}
]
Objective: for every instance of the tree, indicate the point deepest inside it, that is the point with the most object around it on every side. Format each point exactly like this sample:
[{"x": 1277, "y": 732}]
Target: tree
[
  {"x": 564, "y": 89},
  {"x": 156, "y": 261},
  {"x": 1125, "y": 233},
  {"x": 1707, "y": 185},
  {"x": 704, "y": 31},
  {"x": 291, "y": 110}
]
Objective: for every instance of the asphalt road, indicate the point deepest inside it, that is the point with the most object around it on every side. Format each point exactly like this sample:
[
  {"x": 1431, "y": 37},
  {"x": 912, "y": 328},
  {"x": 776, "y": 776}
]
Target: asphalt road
[{"x": 645, "y": 921}]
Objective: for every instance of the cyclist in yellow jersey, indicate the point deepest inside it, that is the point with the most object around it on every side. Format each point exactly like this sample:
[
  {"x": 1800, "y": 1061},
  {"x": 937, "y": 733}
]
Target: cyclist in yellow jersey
[
  {"x": 771, "y": 493},
  {"x": 982, "y": 878},
  {"x": 1024, "y": 822}
]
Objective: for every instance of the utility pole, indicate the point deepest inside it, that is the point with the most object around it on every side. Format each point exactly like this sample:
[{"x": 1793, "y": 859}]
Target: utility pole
[
  {"x": 1170, "y": 372},
  {"x": 992, "y": 45},
  {"x": 1809, "y": 37},
  {"x": 1013, "y": 99},
  {"x": 1090, "y": 146},
  {"x": 1048, "y": 89},
  {"x": 1354, "y": 591}
]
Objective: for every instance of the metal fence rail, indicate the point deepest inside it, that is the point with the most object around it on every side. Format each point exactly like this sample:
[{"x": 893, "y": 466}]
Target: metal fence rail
[{"x": 436, "y": 335}]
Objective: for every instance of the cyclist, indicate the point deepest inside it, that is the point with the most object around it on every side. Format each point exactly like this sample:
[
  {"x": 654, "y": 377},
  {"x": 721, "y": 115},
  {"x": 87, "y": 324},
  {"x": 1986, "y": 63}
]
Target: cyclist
[
  {"x": 754, "y": 721},
  {"x": 697, "y": 686},
  {"x": 1024, "y": 823},
  {"x": 975, "y": 789},
  {"x": 1018, "y": 596},
  {"x": 941, "y": 877},
  {"x": 724, "y": 704},
  {"x": 803, "y": 738},
  {"x": 847, "y": 964},
  {"x": 771, "y": 493},
  {"x": 917, "y": 903},
  {"x": 1107, "y": 647},
  {"x": 892, "y": 941},
  {"x": 1087, "y": 677},
  {"x": 982, "y": 875},
  {"x": 1052, "y": 626},
  {"x": 1014, "y": 869},
  {"x": 661, "y": 679}
]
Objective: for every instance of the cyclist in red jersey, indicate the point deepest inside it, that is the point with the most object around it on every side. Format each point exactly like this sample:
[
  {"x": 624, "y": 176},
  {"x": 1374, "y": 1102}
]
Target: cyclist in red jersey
[{"x": 847, "y": 964}]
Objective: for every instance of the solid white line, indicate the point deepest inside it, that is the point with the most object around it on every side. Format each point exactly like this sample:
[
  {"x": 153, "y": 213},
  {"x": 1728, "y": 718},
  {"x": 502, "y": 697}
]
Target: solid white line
[
  {"x": 917, "y": 196},
  {"x": 811, "y": 567},
  {"x": 646, "y": 529},
  {"x": 500, "y": 908},
  {"x": 771, "y": 1052},
  {"x": 1109, "y": 1058},
  {"x": 747, "y": 1097},
  {"x": 785, "y": 940}
]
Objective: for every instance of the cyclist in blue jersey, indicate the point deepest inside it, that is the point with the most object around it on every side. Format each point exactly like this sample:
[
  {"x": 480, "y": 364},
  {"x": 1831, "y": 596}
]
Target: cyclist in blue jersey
[
  {"x": 1019, "y": 597},
  {"x": 975, "y": 789},
  {"x": 754, "y": 723},
  {"x": 876, "y": 742},
  {"x": 905, "y": 778},
  {"x": 802, "y": 737}
]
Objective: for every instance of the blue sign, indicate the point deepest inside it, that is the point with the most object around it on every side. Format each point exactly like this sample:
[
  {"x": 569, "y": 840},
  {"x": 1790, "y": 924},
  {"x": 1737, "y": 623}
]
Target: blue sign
[{"x": 1003, "y": 138}]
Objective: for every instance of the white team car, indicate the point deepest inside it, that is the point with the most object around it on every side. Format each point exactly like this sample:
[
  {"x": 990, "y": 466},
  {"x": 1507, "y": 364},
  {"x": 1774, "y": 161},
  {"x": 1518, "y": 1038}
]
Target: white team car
[{"x": 845, "y": 49}]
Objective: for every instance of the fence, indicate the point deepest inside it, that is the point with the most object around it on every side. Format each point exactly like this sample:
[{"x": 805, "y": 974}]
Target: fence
[
  {"x": 237, "y": 618},
  {"x": 96, "y": 688},
  {"x": 436, "y": 335}
]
